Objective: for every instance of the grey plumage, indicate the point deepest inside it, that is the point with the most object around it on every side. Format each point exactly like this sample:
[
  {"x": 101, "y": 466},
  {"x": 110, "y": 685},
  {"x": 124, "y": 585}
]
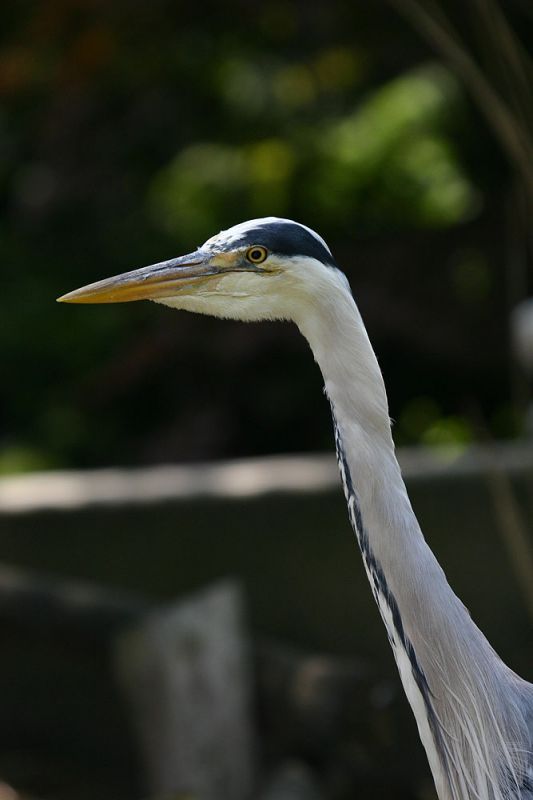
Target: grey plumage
[{"x": 474, "y": 715}]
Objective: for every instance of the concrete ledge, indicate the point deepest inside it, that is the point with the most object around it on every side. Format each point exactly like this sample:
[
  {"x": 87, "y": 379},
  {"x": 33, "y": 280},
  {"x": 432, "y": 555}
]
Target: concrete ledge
[{"x": 248, "y": 478}]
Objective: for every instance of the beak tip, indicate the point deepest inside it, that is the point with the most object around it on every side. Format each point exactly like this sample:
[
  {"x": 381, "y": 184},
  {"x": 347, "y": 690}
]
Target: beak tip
[
  {"x": 66, "y": 298},
  {"x": 80, "y": 296},
  {"x": 147, "y": 283}
]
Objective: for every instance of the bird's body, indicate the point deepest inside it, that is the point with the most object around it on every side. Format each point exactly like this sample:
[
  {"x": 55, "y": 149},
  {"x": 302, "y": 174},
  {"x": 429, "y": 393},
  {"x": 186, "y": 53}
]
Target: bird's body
[{"x": 474, "y": 715}]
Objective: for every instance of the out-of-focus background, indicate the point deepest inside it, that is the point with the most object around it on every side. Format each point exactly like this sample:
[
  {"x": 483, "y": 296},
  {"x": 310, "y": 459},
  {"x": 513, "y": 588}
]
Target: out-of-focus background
[{"x": 130, "y": 132}]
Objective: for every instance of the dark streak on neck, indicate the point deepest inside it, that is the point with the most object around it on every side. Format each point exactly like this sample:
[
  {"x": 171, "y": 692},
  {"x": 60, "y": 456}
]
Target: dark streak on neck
[{"x": 380, "y": 589}]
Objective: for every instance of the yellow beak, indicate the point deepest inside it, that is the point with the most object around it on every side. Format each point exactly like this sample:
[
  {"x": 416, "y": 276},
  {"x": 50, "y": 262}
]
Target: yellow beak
[{"x": 148, "y": 283}]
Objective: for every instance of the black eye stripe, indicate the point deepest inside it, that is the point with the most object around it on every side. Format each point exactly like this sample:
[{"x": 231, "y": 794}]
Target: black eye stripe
[{"x": 284, "y": 239}]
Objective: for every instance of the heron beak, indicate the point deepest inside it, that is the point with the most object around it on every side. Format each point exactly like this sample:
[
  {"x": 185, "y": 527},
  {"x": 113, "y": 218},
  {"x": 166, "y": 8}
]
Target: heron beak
[{"x": 149, "y": 283}]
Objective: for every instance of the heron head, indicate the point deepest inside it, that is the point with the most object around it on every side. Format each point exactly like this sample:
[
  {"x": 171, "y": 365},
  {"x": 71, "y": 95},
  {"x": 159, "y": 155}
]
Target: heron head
[{"x": 261, "y": 269}]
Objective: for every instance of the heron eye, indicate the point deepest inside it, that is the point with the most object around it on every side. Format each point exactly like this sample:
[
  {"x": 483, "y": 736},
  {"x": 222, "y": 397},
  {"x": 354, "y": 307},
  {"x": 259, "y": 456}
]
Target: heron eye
[{"x": 256, "y": 254}]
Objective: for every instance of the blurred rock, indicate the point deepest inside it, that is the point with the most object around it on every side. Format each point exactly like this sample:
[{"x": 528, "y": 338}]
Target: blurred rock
[
  {"x": 305, "y": 699},
  {"x": 185, "y": 673}
]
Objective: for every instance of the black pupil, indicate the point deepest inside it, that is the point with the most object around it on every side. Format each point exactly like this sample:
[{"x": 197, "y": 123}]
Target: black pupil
[{"x": 256, "y": 255}]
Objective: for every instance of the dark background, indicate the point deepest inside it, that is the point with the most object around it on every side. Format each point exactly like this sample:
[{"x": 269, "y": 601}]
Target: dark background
[{"x": 132, "y": 131}]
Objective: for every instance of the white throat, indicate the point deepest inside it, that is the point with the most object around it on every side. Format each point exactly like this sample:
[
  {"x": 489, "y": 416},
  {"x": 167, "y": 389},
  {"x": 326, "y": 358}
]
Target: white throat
[{"x": 464, "y": 698}]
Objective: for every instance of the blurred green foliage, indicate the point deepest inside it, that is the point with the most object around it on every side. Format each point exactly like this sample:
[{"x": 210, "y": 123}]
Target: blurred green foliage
[
  {"x": 131, "y": 132},
  {"x": 390, "y": 163}
]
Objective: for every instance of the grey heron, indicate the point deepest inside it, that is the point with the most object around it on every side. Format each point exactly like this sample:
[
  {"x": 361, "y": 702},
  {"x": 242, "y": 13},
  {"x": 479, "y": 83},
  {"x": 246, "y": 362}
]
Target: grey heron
[{"x": 474, "y": 714}]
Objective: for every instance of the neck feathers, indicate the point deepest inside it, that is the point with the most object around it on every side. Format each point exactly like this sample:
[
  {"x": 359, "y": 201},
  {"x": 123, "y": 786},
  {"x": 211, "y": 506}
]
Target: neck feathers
[{"x": 471, "y": 710}]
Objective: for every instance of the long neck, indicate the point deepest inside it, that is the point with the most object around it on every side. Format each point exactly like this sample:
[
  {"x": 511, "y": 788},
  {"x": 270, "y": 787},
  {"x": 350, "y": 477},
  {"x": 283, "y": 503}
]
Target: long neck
[{"x": 459, "y": 690}]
